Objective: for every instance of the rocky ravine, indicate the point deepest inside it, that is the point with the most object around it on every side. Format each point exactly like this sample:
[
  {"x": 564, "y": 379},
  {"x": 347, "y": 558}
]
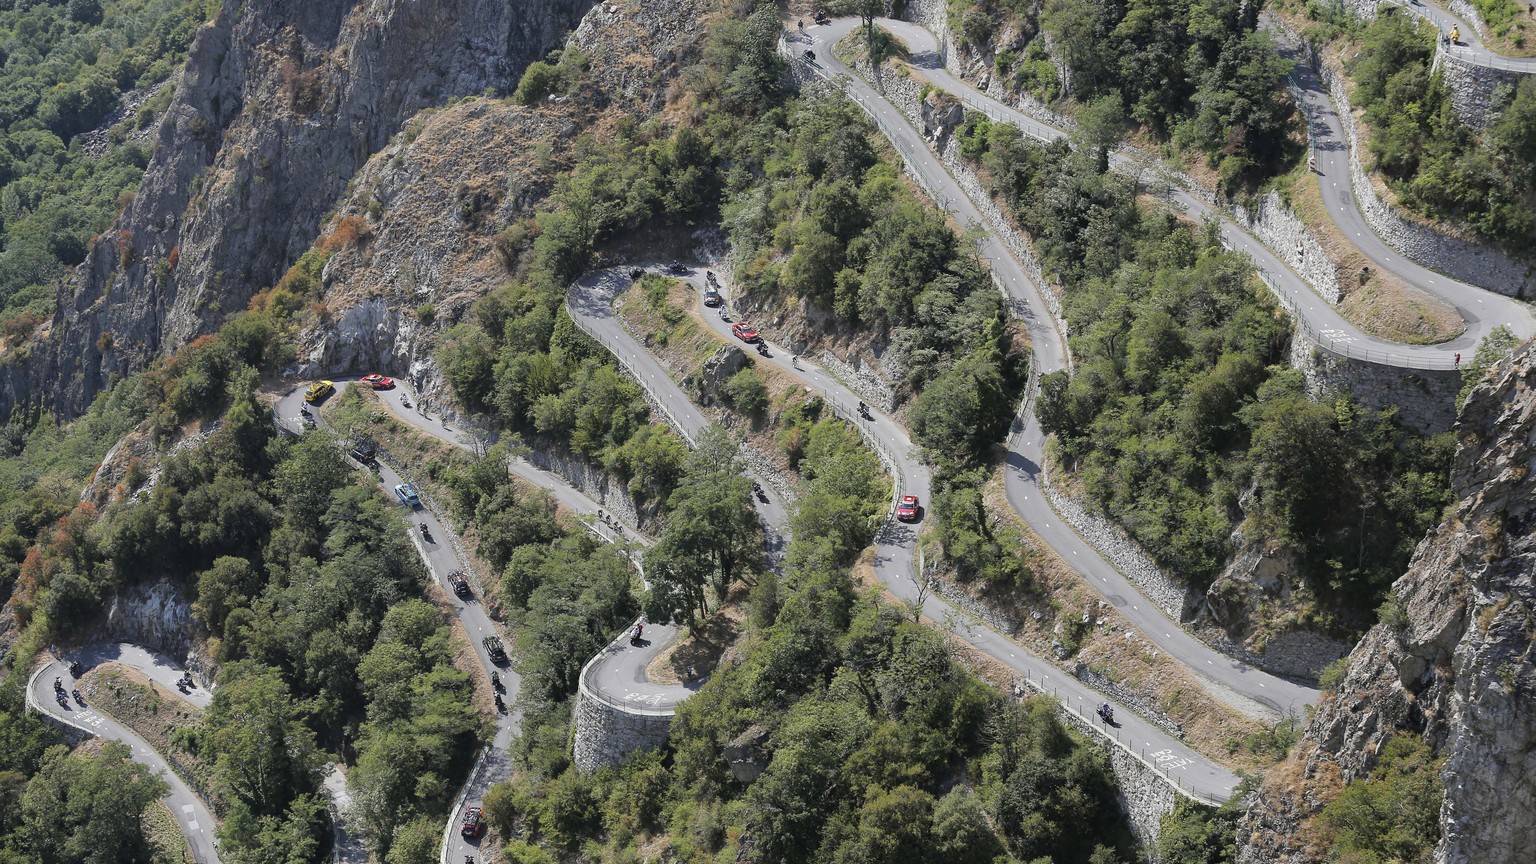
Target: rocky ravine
[
  {"x": 1457, "y": 669},
  {"x": 278, "y": 105}
]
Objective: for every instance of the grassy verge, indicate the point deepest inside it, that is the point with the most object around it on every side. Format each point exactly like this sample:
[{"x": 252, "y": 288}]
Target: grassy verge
[
  {"x": 165, "y": 838},
  {"x": 432, "y": 463}
]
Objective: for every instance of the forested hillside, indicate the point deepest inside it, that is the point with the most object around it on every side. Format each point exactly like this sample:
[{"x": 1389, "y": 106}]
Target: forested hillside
[
  {"x": 65, "y": 66},
  {"x": 1199, "y": 76},
  {"x": 1181, "y": 418}
]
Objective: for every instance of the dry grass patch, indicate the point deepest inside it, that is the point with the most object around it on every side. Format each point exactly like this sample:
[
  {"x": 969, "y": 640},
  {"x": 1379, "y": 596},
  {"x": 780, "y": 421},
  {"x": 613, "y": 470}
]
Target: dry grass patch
[
  {"x": 167, "y": 844},
  {"x": 695, "y": 656},
  {"x": 149, "y": 709},
  {"x": 467, "y": 661},
  {"x": 1384, "y": 306}
]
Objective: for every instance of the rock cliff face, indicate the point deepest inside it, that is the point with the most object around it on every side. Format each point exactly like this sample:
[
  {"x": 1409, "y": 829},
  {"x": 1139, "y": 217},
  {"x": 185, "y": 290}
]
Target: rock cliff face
[
  {"x": 1454, "y": 664},
  {"x": 437, "y": 196},
  {"x": 279, "y": 103}
]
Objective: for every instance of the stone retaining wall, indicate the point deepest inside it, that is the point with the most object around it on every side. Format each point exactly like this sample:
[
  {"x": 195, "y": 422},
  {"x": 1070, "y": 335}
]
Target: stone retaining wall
[
  {"x": 1468, "y": 13},
  {"x": 605, "y": 734},
  {"x": 593, "y": 482},
  {"x": 1469, "y": 262},
  {"x": 1277, "y": 226},
  {"x": 1472, "y": 86},
  {"x": 1426, "y": 400}
]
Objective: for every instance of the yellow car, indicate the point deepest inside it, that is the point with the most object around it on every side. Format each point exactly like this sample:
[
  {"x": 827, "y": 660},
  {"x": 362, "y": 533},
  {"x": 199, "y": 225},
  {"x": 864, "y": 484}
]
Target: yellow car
[{"x": 318, "y": 390}]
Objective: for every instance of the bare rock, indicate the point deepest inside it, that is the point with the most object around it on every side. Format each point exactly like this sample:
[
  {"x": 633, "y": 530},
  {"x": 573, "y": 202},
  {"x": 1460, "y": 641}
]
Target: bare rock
[
  {"x": 1451, "y": 662},
  {"x": 718, "y": 369},
  {"x": 748, "y": 754}
]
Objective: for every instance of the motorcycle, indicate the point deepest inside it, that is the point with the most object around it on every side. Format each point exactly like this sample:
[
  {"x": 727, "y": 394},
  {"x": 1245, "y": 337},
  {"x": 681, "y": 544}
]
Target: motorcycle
[
  {"x": 763, "y": 349},
  {"x": 78, "y": 698},
  {"x": 424, "y": 532},
  {"x": 74, "y": 669},
  {"x": 864, "y": 412},
  {"x": 495, "y": 681},
  {"x": 634, "y": 635},
  {"x": 1106, "y": 713},
  {"x": 501, "y": 707}
]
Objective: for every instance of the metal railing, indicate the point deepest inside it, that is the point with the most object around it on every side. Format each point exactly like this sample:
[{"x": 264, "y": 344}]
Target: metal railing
[
  {"x": 1152, "y": 761},
  {"x": 1341, "y": 344},
  {"x": 1475, "y": 54},
  {"x": 655, "y": 401},
  {"x": 594, "y": 692},
  {"x": 1336, "y": 342}
]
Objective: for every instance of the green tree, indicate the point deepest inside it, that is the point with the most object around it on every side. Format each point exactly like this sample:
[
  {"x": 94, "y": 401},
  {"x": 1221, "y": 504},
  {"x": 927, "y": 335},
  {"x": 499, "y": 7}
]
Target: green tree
[
  {"x": 711, "y": 533},
  {"x": 1494, "y": 347},
  {"x": 263, "y": 754},
  {"x": 81, "y": 808},
  {"x": 1394, "y": 814}
]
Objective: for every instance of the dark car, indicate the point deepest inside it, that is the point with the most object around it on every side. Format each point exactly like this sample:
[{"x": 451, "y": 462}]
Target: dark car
[
  {"x": 474, "y": 824},
  {"x": 712, "y": 297},
  {"x": 677, "y": 268},
  {"x": 495, "y": 649},
  {"x": 458, "y": 583}
]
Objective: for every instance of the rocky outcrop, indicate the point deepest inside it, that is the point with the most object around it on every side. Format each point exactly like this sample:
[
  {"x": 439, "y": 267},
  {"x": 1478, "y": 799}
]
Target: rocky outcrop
[
  {"x": 1451, "y": 661},
  {"x": 718, "y": 369},
  {"x": 747, "y": 753},
  {"x": 278, "y": 105},
  {"x": 437, "y": 196}
]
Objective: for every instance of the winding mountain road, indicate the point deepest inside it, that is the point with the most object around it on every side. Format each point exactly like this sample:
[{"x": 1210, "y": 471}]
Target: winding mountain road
[
  {"x": 442, "y": 558},
  {"x": 191, "y": 813},
  {"x": 619, "y": 674},
  {"x": 1238, "y": 684},
  {"x": 590, "y": 304},
  {"x": 1482, "y": 310},
  {"x": 1469, "y": 45}
]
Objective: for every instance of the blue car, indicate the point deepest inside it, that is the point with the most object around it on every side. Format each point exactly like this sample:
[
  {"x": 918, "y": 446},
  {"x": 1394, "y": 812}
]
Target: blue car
[{"x": 407, "y": 495}]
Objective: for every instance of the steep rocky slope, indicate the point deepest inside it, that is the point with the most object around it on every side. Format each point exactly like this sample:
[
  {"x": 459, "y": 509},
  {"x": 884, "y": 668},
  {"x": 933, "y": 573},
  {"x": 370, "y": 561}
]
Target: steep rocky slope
[
  {"x": 436, "y": 198},
  {"x": 1452, "y": 662},
  {"x": 278, "y": 105}
]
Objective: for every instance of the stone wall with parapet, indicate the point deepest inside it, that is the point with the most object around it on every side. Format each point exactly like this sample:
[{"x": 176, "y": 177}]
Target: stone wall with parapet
[
  {"x": 606, "y": 734},
  {"x": 1425, "y": 399},
  {"x": 1469, "y": 262},
  {"x": 1277, "y": 226},
  {"x": 1473, "y": 85}
]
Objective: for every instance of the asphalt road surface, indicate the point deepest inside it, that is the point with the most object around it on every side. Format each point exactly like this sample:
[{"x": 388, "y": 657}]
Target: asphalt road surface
[
  {"x": 192, "y": 815},
  {"x": 620, "y": 671},
  {"x": 1243, "y": 687},
  {"x": 1468, "y": 46},
  {"x": 441, "y": 559}
]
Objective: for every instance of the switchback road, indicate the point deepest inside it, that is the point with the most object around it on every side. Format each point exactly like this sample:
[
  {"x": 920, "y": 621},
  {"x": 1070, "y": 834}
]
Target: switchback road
[
  {"x": 191, "y": 813},
  {"x": 1482, "y": 310},
  {"x": 590, "y": 303},
  {"x": 1238, "y": 684}
]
